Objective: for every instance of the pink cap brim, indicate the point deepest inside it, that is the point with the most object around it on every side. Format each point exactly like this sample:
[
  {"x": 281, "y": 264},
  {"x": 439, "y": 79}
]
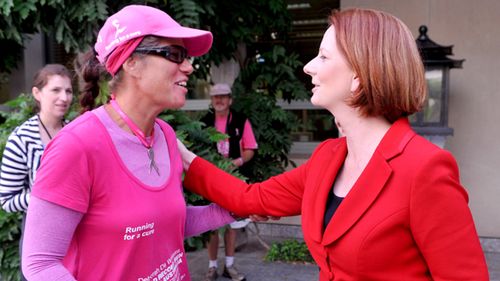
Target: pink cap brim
[{"x": 196, "y": 41}]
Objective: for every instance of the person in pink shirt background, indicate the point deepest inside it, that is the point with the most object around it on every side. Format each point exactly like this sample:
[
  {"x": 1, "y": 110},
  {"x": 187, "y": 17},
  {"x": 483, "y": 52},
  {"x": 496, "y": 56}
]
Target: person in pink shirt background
[
  {"x": 236, "y": 125},
  {"x": 240, "y": 147},
  {"x": 107, "y": 203}
]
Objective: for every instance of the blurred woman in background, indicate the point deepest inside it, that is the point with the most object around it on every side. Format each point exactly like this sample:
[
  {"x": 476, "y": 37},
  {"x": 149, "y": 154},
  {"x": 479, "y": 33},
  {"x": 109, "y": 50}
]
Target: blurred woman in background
[{"x": 53, "y": 94}]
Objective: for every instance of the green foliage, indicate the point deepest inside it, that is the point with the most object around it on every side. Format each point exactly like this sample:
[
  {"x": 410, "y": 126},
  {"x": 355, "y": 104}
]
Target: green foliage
[
  {"x": 233, "y": 23},
  {"x": 24, "y": 108},
  {"x": 187, "y": 12},
  {"x": 289, "y": 251},
  {"x": 72, "y": 23},
  {"x": 256, "y": 22},
  {"x": 272, "y": 72},
  {"x": 256, "y": 91},
  {"x": 10, "y": 232}
]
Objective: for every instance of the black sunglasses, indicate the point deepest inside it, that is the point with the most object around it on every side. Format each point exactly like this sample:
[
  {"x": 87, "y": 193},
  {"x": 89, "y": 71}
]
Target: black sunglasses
[{"x": 173, "y": 53}]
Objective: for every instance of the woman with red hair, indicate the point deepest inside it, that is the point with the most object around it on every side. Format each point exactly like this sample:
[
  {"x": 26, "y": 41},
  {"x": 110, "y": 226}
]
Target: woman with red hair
[{"x": 381, "y": 202}]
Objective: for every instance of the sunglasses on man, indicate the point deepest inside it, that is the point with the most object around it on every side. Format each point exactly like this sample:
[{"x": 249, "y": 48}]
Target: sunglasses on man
[{"x": 174, "y": 53}]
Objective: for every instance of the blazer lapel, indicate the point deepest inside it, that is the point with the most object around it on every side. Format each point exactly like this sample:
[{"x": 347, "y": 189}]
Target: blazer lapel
[
  {"x": 312, "y": 219},
  {"x": 358, "y": 200},
  {"x": 370, "y": 183}
]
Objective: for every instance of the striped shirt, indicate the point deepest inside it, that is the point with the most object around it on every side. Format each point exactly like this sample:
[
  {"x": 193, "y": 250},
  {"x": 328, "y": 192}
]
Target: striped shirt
[{"x": 21, "y": 159}]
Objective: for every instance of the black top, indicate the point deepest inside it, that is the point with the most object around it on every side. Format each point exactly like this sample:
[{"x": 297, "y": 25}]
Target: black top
[
  {"x": 235, "y": 125},
  {"x": 332, "y": 204}
]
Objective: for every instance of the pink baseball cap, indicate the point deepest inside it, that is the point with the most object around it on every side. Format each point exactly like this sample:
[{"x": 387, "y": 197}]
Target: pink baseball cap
[{"x": 135, "y": 21}]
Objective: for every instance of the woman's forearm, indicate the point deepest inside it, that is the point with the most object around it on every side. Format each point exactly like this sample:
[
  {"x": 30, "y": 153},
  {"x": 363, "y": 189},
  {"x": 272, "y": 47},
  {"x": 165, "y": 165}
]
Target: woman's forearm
[
  {"x": 200, "y": 219},
  {"x": 47, "y": 236}
]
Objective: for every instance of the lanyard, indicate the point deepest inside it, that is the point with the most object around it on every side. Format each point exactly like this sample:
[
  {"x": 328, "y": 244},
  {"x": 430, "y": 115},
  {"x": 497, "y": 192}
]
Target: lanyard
[
  {"x": 45, "y": 128},
  {"x": 140, "y": 135}
]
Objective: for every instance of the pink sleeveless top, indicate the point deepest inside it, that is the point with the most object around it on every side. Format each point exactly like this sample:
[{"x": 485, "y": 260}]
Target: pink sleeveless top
[{"x": 130, "y": 230}]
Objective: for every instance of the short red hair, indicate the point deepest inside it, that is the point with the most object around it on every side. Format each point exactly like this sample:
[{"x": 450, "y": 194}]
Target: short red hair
[{"x": 381, "y": 50}]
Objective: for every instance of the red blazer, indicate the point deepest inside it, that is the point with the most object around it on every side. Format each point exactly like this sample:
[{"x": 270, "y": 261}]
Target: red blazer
[{"x": 406, "y": 218}]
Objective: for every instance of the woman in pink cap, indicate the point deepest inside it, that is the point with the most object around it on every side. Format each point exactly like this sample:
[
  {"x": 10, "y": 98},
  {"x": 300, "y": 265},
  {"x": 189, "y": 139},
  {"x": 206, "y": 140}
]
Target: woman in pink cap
[{"x": 107, "y": 203}]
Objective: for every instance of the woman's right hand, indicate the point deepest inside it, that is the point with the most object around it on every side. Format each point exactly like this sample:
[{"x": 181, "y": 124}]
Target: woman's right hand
[{"x": 186, "y": 155}]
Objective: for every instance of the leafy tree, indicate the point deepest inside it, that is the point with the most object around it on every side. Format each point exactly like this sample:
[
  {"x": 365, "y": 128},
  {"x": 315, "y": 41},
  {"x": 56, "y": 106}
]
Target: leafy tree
[
  {"x": 70, "y": 22},
  {"x": 256, "y": 92}
]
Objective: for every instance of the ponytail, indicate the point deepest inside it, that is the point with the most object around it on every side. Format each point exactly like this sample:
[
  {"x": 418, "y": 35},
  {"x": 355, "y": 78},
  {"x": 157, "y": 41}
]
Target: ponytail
[{"x": 89, "y": 71}]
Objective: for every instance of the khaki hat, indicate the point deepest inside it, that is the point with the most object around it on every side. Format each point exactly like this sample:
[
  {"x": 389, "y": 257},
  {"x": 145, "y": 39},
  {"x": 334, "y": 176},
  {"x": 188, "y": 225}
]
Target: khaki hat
[{"x": 220, "y": 89}]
